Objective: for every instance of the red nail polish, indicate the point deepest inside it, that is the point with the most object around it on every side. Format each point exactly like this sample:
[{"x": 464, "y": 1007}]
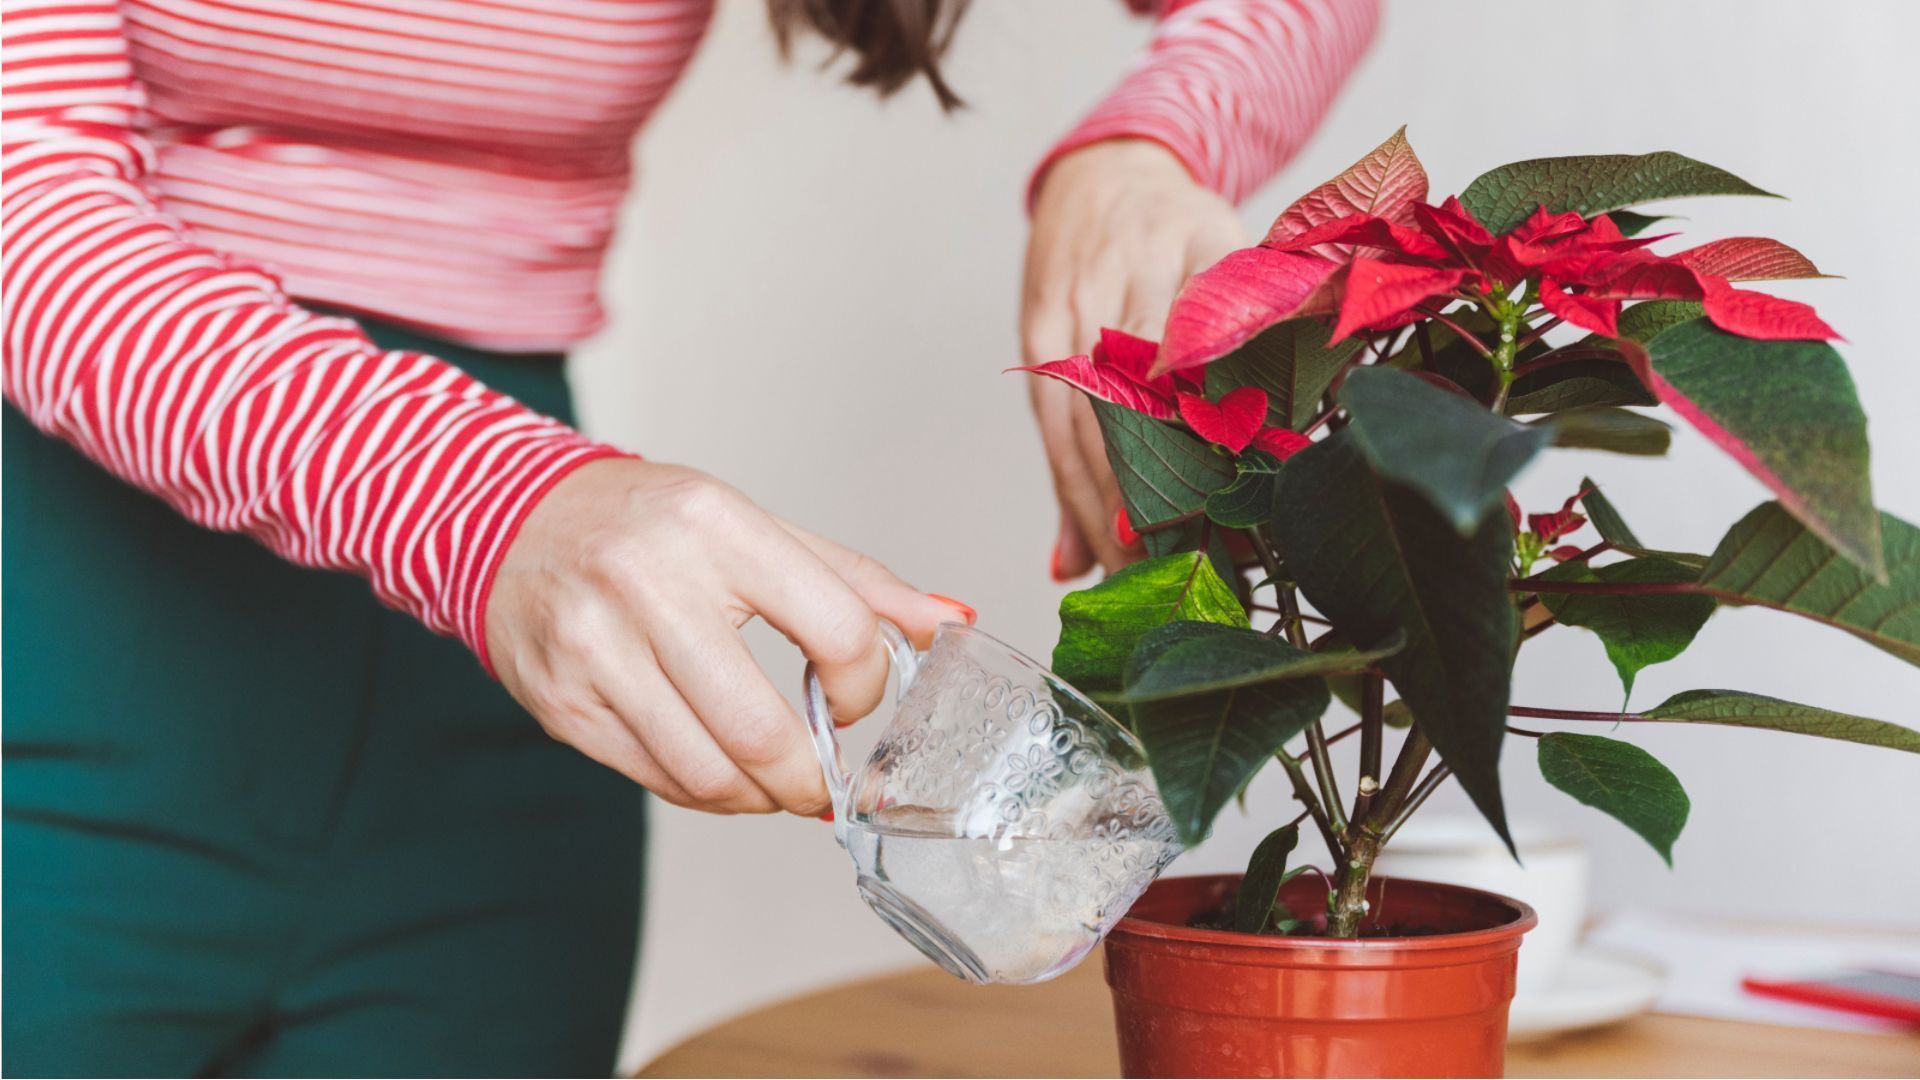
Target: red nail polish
[
  {"x": 966, "y": 613},
  {"x": 1123, "y": 529},
  {"x": 1053, "y": 567},
  {"x": 828, "y": 816}
]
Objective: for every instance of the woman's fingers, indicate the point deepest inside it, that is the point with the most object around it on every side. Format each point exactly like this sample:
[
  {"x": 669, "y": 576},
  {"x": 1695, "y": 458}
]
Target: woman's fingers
[
  {"x": 639, "y": 692},
  {"x": 916, "y": 613},
  {"x": 798, "y": 594},
  {"x": 1075, "y": 480},
  {"x": 600, "y": 734},
  {"x": 750, "y": 722}
]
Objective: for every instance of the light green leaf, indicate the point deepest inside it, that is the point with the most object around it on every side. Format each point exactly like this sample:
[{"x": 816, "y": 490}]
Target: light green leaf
[
  {"x": 1787, "y": 412},
  {"x": 1735, "y": 708},
  {"x": 1100, "y": 626},
  {"x": 1619, "y": 779},
  {"x": 1599, "y": 428},
  {"x": 1768, "y": 558},
  {"x": 1638, "y": 631},
  {"x": 1456, "y": 454},
  {"x": 1377, "y": 559},
  {"x": 1260, "y": 887},
  {"x": 1292, "y": 362},
  {"x": 1593, "y": 184}
]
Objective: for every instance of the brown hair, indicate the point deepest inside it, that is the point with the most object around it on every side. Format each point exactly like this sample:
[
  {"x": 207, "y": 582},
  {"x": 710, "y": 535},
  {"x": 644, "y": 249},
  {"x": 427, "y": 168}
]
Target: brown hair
[{"x": 892, "y": 40}]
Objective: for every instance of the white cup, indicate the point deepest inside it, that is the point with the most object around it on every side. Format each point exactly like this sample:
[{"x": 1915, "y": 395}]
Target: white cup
[{"x": 1552, "y": 877}]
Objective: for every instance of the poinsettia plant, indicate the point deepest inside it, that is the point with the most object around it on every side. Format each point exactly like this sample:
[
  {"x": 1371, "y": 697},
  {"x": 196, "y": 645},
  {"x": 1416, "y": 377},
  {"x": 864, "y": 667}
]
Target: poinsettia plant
[{"x": 1322, "y": 443}]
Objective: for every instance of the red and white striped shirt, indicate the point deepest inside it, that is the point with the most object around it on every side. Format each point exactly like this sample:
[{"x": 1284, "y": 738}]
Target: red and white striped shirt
[{"x": 175, "y": 170}]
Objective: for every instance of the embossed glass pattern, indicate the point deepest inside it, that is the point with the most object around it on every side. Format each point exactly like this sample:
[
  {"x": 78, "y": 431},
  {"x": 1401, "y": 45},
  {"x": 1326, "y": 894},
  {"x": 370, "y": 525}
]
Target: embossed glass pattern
[{"x": 1003, "y": 823}]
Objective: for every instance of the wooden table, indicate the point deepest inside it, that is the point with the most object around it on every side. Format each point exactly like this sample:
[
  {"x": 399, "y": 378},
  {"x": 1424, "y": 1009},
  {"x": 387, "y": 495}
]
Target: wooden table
[{"x": 925, "y": 1023}]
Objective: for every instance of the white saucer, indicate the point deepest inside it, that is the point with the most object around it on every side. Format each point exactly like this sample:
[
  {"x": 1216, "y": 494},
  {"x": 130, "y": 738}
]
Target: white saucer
[{"x": 1594, "y": 987}]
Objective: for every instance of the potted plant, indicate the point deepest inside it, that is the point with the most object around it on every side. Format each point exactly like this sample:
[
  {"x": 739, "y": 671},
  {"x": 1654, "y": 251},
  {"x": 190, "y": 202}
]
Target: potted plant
[{"x": 1323, "y": 442}]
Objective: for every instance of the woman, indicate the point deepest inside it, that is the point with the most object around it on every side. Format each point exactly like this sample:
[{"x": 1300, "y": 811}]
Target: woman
[{"x": 259, "y": 824}]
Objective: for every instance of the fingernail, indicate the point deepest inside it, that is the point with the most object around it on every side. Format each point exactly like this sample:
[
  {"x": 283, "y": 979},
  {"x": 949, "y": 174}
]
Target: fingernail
[
  {"x": 1053, "y": 567},
  {"x": 828, "y": 816},
  {"x": 1123, "y": 529},
  {"x": 966, "y": 613}
]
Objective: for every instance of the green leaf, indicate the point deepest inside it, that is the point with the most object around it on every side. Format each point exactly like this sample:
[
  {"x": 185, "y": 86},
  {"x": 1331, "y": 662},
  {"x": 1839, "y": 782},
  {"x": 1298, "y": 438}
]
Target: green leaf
[
  {"x": 1181, "y": 659},
  {"x": 1735, "y": 708},
  {"x": 1770, "y": 559},
  {"x": 1248, "y": 501},
  {"x": 1576, "y": 384},
  {"x": 1378, "y": 560},
  {"x": 1212, "y": 705},
  {"x": 1619, "y": 779},
  {"x": 1618, "y": 430},
  {"x": 1606, "y": 520},
  {"x": 1632, "y": 224},
  {"x": 1164, "y": 472},
  {"x": 1266, "y": 871},
  {"x": 1786, "y": 410},
  {"x": 1613, "y": 529},
  {"x": 1638, "y": 631},
  {"x": 1100, "y": 626},
  {"x": 1449, "y": 449},
  {"x": 1593, "y": 184},
  {"x": 1644, "y": 321},
  {"x": 1292, "y": 362}
]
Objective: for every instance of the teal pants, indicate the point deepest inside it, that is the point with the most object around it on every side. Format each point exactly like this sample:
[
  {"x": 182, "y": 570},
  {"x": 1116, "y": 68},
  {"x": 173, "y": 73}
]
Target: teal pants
[{"x": 257, "y": 824}]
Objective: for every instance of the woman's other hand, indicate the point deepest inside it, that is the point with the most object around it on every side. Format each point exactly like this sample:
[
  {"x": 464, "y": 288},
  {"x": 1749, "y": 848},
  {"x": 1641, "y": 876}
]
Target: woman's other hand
[
  {"x": 1118, "y": 227},
  {"x": 615, "y": 619}
]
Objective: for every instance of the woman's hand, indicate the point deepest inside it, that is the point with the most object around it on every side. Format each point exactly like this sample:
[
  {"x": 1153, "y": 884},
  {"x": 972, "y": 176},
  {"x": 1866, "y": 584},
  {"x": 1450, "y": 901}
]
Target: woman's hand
[
  {"x": 1118, "y": 227},
  {"x": 615, "y": 618}
]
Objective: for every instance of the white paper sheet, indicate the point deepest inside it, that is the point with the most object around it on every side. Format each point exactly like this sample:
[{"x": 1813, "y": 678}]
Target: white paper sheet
[{"x": 1705, "y": 961}]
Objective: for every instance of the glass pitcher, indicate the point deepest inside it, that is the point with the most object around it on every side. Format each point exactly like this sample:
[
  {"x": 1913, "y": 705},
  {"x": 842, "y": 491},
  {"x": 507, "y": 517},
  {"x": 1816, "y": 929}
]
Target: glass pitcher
[{"x": 1004, "y": 822}]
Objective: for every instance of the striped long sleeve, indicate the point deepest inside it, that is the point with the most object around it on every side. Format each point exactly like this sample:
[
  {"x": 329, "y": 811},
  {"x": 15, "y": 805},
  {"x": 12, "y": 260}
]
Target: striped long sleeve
[
  {"x": 1232, "y": 87},
  {"x": 190, "y": 375}
]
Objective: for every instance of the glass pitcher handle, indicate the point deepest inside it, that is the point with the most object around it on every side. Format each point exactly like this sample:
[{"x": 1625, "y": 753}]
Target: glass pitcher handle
[{"x": 906, "y": 664}]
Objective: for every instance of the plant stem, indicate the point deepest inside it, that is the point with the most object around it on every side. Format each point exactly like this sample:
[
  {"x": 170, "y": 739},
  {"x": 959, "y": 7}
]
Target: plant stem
[
  {"x": 1323, "y": 772},
  {"x": 1373, "y": 704},
  {"x": 1331, "y": 739},
  {"x": 1478, "y": 346},
  {"x": 1366, "y": 836},
  {"x": 1428, "y": 786},
  {"x": 1303, "y": 791},
  {"x": 1350, "y": 888},
  {"x": 1508, "y": 347},
  {"x": 1424, "y": 338},
  {"x": 1531, "y": 734}
]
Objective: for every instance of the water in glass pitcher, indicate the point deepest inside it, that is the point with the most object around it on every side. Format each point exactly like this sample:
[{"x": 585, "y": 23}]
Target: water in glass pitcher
[{"x": 1013, "y": 909}]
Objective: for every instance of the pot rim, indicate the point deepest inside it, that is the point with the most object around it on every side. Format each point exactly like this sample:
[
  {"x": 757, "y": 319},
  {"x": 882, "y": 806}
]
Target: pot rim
[{"x": 1524, "y": 919}]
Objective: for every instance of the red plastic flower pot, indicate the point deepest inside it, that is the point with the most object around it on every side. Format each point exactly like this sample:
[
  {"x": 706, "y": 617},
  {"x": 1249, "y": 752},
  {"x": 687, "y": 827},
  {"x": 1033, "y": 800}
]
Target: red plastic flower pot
[{"x": 1195, "y": 1002}]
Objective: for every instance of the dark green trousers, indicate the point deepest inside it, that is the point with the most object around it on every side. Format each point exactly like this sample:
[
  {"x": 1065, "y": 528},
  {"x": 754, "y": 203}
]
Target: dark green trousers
[{"x": 257, "y": 824}]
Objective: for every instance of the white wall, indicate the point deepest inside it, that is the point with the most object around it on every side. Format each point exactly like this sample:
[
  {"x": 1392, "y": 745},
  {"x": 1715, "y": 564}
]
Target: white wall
[{"x": 813, "y": 296}]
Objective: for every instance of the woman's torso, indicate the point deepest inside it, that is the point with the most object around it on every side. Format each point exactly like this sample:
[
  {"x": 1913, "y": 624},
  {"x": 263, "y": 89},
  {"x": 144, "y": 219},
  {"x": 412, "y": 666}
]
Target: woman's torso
[{"x": 454, "y": 164}]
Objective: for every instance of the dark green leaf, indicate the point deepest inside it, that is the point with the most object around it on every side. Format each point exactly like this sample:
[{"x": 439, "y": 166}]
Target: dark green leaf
[
  {"x": 1449, "y": 449},
  {"x": 1185, "y": 658},
  {"x": 1292, "y": 362},
  {"x": 1100, "y": 626},
  {"x": 1768, "y": 558},
  {"x": 1253, "y": 904},
  {"x": 1248, "y": 501},
  {"x": 1735, "y": 708},
  {"x": 1619, "y": 779},
  {"x": 1226, "y": 704},
  {"x": 1592, "y": 184},
  {"x": 1377, "y": 559},
  {"x": 1576, "y": 384},
  {"x": 1632, "y": 224},
  {"x": 1638, "y": 631},
  {"x": 1786, "y": 410},
  {"x": 1164, "y": 472},
  {"x": 1644, "y": 321},
  {"x": 1613, "y": 529},
  {"x": 1618, "y": 430}
]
